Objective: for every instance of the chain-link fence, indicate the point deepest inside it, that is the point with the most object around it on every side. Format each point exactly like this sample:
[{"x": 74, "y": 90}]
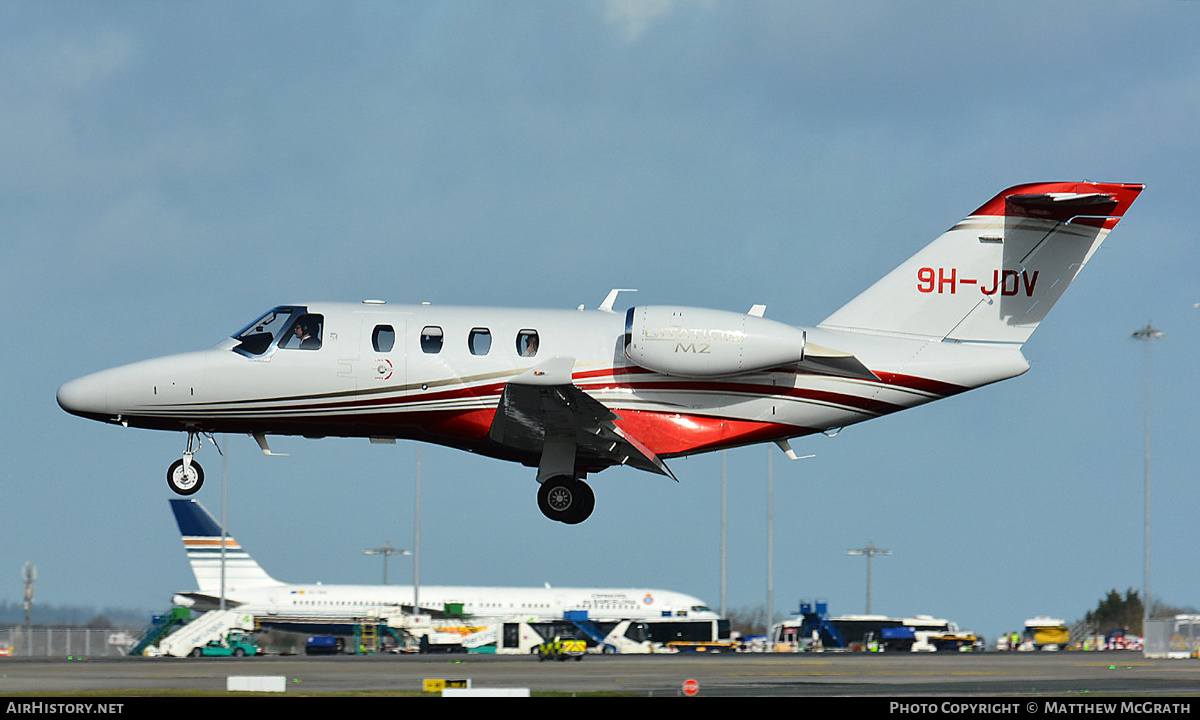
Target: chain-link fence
[
  {"x": 42, "y": 641},
  {"x": 1178, "y": 637}
]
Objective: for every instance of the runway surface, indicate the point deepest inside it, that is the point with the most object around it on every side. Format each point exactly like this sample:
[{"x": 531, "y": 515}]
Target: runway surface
[{"x": 727, "y": 675}]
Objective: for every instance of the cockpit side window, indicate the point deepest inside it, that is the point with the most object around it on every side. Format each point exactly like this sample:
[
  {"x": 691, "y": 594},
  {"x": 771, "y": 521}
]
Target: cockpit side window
[
  {"x": 259, "y": 337},
  {"x": 304, "y": 334}
]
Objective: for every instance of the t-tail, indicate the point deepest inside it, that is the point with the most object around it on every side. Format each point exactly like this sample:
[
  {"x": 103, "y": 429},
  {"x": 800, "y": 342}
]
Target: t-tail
[
  {"x": 207, "y": 551},
  {"x": 993, "y": 277}
]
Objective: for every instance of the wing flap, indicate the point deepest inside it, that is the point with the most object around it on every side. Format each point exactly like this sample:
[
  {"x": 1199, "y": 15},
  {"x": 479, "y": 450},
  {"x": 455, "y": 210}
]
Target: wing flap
[{"x": 543, "y": 403}]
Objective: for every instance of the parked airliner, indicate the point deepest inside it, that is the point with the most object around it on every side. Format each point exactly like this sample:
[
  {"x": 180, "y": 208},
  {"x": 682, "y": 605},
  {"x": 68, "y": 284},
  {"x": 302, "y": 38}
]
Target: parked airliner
[
  {"x": 249, "y": 589},
  {"x": 572, "y": 392}
]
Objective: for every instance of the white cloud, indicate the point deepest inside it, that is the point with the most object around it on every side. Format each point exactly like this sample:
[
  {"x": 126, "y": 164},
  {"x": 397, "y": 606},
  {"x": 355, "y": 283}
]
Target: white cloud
[{"x": 634, "y": 17}]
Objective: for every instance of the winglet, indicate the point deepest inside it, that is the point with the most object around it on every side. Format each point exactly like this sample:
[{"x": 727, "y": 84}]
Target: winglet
[{"x": 607, "y": 305}]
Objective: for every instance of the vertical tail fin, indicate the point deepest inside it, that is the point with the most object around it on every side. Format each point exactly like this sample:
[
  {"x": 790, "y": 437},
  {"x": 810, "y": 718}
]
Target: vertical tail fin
[
  {"x": 994, "y": 275},
  {"x": 202, "y": 541}
]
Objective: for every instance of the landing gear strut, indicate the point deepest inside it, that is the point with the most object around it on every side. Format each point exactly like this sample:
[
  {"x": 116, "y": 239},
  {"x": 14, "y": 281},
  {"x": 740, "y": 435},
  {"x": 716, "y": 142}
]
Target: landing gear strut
[
  {"x": 185, "y": 476},
  {"x": 566, "y": 499}
]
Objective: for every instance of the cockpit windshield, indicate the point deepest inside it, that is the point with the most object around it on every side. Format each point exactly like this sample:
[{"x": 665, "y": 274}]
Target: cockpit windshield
[{"x": 259, "y": 337}]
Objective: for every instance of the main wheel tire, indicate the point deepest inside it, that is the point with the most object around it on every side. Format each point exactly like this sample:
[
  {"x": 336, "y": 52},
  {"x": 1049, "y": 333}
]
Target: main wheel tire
[
  {"x": 185, "y": 482},
  {"x": 586, "y": 502},
  {"x": 566, "y": 499}
]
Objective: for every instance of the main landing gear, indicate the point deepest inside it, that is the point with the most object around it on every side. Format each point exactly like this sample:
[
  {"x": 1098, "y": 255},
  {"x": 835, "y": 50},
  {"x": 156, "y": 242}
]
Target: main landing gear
[
  {"x": 185, "y": 476},
  {"x": 566, "y": 499}
]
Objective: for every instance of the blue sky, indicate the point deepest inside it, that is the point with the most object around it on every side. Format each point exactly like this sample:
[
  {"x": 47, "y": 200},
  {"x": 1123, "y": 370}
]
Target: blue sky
[{"x": 171, "y": 170}]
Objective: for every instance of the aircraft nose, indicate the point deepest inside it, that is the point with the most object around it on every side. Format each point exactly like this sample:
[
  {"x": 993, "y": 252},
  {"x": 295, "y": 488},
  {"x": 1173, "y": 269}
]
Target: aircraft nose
[{"x": 86, "y": 396}]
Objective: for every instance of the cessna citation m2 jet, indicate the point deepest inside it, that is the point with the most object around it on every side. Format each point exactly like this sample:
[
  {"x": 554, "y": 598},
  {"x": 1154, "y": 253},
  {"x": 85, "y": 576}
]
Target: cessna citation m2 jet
[{"x": 572, "y": 392}]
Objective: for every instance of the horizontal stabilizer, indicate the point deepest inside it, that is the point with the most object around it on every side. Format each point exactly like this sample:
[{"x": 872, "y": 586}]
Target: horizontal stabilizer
[
  {"x": 202, "y": 602},
  {"x": 826, "y": 361}
]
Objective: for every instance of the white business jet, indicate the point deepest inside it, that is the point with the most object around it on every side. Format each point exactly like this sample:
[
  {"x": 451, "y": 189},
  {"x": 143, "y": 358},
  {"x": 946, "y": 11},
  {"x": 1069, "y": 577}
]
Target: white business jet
[{"x": 572, "y": 392}]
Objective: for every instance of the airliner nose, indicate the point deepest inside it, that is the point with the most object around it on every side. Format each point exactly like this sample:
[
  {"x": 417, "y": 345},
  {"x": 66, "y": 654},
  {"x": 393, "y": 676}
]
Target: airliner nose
[{"x": 86, "y": 397}]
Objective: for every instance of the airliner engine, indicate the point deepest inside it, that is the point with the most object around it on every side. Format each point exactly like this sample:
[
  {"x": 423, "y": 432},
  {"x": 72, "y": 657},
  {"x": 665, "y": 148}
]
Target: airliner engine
[{"x": 699, "y": 343}]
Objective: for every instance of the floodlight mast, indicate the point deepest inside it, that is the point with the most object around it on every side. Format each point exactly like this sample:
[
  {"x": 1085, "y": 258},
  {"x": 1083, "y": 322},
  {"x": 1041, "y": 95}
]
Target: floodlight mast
[
  {"x": 869, "y": 551},
  {"x": 1146, "y": 334},
  {"x": 386, "y": 550}
]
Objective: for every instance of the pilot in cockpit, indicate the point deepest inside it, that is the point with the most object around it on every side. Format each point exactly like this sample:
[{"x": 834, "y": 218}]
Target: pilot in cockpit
[{"x": 306, "y": 333}]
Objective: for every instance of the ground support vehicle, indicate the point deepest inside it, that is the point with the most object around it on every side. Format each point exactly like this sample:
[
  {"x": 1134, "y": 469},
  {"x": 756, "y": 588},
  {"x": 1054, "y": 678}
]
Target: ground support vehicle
[
  {"x": 236, "y": 644},
  {"x": 561, "y": 648}
]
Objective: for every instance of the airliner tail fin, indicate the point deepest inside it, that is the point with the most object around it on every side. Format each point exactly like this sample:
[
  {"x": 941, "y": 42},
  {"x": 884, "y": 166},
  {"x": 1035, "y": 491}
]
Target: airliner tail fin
[{"x": 208, "y": 550}]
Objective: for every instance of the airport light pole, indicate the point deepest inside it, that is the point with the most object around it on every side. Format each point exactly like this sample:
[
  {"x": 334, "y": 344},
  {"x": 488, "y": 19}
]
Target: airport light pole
[
  {"x": 386, "y": 550},
  {"x": 869, "y": 551},
  {"x": 224, "y": 509},
  {"x": 28, "y": 577},
  {"x": 417, "y": 531},
  {"x": 770, "y": 538},
  {"x": 1146, "y": 334},
  {"x": 724, "y": 525}
]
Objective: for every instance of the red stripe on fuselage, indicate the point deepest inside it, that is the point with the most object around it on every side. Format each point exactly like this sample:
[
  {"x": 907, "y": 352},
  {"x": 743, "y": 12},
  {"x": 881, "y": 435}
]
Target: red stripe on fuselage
[
  {"x": 679, "y": 434},
  {"x": 665, "y": 433}
]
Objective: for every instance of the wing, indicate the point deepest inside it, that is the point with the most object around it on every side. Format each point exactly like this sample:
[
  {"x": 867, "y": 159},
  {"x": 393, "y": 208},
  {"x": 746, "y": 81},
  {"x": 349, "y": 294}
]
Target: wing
[{"x": 544, "y": 407}]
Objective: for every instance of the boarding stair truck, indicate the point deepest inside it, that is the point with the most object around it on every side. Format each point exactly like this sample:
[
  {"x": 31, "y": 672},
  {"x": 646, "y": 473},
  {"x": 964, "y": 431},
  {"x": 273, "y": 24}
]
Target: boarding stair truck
[
  {"x": 1045, "y": 633},
  {"x": 812, "y": 631},
  {"x": 410, "y": 629},
  {"x": 212, "y": 625},
  {"x": 589, "y": 630},
  {"x": 160, "y": 627},
  {"x": 481, "y": 641},
  {"x": 622, "y": 637}
]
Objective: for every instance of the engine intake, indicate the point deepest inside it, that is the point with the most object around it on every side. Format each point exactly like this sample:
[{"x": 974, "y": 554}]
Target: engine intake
[{"x": 699, "y": 343}]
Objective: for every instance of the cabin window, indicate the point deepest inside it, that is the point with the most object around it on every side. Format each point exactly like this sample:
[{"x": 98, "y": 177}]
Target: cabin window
[
  {"x": 304, "y": 334},
  {"x": 480, "y": 341},
  {"x": 431, "y": 339},
  {"x": 383, "y": 338},
  {"x": 527, "y": 343}
]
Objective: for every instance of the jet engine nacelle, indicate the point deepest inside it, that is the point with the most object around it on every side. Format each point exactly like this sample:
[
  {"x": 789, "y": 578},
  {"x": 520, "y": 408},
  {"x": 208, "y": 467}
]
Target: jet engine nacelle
[{"x": 699, "y": 343}]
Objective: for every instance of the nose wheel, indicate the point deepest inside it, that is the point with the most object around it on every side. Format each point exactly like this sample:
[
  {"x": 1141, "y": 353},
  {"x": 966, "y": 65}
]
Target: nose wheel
[
  {"x": 185, "y": 476},
  {"x": 566, "y": 499}
]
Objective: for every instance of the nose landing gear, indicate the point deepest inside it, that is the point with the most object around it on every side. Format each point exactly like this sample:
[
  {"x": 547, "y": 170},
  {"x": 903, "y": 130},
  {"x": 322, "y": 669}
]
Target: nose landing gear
[{"x": 185, "y": 476}]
